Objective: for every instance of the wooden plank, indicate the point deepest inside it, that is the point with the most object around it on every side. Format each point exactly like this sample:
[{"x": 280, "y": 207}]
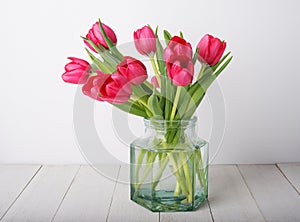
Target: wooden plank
[
  {"x": 40, "y": 200},
  {"x": 90, "y": 195},
  {"x": 229, "y": 197},
  {"x": 13, "y": 179},
  {"x": 122, "y": 208},
  {"x": 201, "y": 214},
  {"x": 292, "y": 172},
  {"x": 276, "y": 198}
]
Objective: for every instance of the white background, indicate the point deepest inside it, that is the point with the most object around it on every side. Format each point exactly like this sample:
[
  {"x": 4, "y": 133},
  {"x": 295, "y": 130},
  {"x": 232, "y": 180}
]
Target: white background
[{"x": 260, "y": 87}]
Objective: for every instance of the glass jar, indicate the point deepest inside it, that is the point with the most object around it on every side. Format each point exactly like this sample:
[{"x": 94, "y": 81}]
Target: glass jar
[{"x": 169, "y": 166}]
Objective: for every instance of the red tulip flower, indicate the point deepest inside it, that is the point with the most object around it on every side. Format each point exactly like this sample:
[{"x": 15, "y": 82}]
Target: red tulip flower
[
  {"x": 178, "y": 57},
  {"x": 112, "y": 88},
  {"x": 133, "y": 70},
  {"x": 155, "y": 82},
  {"x": 211, "y": 50},
  {"x": 76, "y": 71},
  {"x": 145, "y": 40},
  {"x": 96, "y": 37}
]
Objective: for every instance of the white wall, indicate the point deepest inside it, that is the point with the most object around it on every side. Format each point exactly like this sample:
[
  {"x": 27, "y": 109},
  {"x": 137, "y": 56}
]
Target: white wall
[{"x": 260, "y": 88}]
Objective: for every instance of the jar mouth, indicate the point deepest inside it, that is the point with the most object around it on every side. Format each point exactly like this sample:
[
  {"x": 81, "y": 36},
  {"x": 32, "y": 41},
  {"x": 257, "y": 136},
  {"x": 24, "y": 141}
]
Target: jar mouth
[{"x": 163, "y": 124}]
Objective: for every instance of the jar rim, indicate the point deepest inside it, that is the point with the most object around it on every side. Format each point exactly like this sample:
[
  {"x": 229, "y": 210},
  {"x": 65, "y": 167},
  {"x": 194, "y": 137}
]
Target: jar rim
[{"x": 175, "y": 123}]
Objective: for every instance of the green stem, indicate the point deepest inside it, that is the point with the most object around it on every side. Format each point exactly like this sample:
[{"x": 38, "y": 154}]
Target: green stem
[
  {"x": 177, "y": 174},
  {"x": 162, "y": 168},
  {"x": 202, "y": 174},
  {"x": 175, "y": 103},
  {"x": 203, "y": 67},
  {"x": 177, "y": 189},
  {"x": 116, "y": 53},
  {"x": 155, "y": 70},
  {"x": 147, "y": 170},
  {"x": 110, "y": 59},
  {"x": 181, "y": 173},
  {"x": 188, "y": 178},
  {"x": 139, "y": 164}
]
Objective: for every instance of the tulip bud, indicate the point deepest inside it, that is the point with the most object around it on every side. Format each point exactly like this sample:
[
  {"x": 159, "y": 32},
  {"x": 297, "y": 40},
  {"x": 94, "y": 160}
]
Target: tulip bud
[
  {"x": 112, "y": 88},
  {"x": 76, "y": 71},
  {"x": 145, "y": 41},
  {"x": 211, "y": 49},
  {"x": 155, "y": 82},
  {"x": 133, "y": 70},
  {"x": 97, "y": 38},
  {"x": 178, "y": 57}
]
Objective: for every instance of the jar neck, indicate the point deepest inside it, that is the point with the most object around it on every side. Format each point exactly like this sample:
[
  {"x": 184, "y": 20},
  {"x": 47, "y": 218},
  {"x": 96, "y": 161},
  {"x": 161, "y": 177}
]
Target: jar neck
[{"x": 162, "y": 126}]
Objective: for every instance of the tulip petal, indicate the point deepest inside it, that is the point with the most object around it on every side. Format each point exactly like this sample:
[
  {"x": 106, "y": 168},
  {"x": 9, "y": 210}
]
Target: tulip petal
[
  {"x": 145, "y": 40},
  {"x": 154, "y": 82},
  {"x": 77, "y": 76},
  {"x": 89, "y": 89},
  {"x": 219, "y": 54},
  {"x": 168, "y": 54},
  {"x": 95, "y": 35},
  {"x": 72, "y": 66},
  {"x": 79, "y": 61},
  {"x": 182, "y": 78},
  {"x": 133, "y": 70},
  {"x": 98, "y": 35}
]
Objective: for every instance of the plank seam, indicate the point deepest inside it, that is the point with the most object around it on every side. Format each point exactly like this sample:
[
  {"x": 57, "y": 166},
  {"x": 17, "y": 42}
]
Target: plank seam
[
  {"x": 65, "y": 194},
  {"x": 278, "y": 167},
  {"x": 210, "y": 210},
  {"x": 113, "y": 193},
  {"x": 27, "y": 184},
  {"x": 250, "y": 192}
]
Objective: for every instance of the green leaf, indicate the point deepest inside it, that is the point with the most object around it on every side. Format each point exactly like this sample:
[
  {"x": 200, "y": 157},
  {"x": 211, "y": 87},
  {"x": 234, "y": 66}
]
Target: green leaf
[
  {"x": 139, "y": 90},
  {"x": 92, "y": 57},
  {"x": 183, "y": 102},
  {"x": 101, "y": 66},
  {"x": 147, "y": 86},
  {"x": 207, "y": 73},
  {"x": 110, "y": 58},
  {"x": 195, "y": 56},
  {"x": 181, "y": 35},
  {"x": 191, "y": 110},
  {"x": 197, "y": 91},
  {"x": 153, "y": 104},
  {"x": 160, "y": 58},
  {"x": 107, "y": 40},
  {"x": 93, "y": 45},
  {"x": 109, "y": 61},
  {"x": 217, "y": 73},
  {"x": 132, "y": 108},
  {"x": 220, "y": 62},
  {"x": 200, "y": 89},
  {"x": 195, "y": 95},
  {"x": 169, "y": 98},
  {"x": 149, "y": 113},
  {"x": 167, "y": 36},
  {"x": 156, "y": 30},
  {"x": 163, "y": 94},
  {"x": 102, "y": 52}
]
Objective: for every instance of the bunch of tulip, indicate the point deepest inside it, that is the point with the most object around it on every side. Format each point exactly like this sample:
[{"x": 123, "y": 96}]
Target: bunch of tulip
[{"x": 173, "y": 93}]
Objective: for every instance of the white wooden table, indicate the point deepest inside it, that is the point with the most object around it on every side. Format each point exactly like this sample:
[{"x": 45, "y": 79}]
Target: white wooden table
[{"x": 79, "y": 193}]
